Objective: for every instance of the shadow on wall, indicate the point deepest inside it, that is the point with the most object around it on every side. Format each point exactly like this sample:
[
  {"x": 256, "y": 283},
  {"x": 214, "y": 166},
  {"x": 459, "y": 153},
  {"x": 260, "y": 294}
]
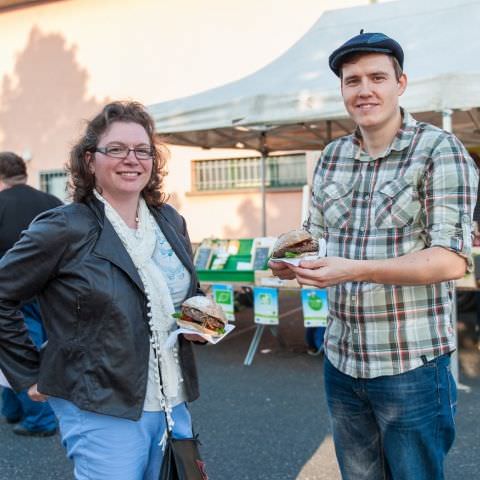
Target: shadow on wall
[
  {"x": 283, "y": 213},
  {"x": 249, "y": 221},
  {"x": 43, "y": 103},
  {"x": 174, "y": 200}
]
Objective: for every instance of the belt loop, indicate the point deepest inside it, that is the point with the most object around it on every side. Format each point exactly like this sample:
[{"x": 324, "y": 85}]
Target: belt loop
[{"x": 424, "y": 359}]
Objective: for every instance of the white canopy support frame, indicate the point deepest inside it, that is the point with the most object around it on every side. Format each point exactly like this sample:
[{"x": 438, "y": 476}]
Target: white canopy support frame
[
  {"x": 294, "y": 103},
  {"x": 447, "y": 126},
  {"x": 297, "y": 100}
]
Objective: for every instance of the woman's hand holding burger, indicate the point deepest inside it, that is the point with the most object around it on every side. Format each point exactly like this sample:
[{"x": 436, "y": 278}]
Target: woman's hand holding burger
[
  {"x": 203, "y": 315},
  {"x": 193, "y": 337}
]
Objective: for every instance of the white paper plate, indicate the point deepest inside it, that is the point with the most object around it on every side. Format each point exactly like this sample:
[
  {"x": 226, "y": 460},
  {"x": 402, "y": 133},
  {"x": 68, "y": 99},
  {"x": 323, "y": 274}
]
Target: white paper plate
[
  {"x": 213, "y": 339},
  {"x": 295, "y": 261}
]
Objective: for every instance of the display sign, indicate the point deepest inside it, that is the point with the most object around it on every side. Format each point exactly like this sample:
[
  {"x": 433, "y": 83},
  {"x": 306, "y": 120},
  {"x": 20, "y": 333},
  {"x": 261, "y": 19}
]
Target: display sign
[
  {"x": 315, "y": 307},
  {"x": 261, "y": 258},
  {"x": 203, "y": 257},
  {"x": 262, "y": 246},
  {"x": 265, "y": 305},
  {"x": 223, "y": 295},
  {"x": 219, "y": 261}
]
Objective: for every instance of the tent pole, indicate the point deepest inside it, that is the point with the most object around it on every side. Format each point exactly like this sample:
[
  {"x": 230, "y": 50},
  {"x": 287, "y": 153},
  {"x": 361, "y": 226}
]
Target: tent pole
[
  {"x": 447, "y": 120},
  {"x": 447, "y": 126},
  {"x": 263, "y": 180},
  {"x": 329, "y": 131}
]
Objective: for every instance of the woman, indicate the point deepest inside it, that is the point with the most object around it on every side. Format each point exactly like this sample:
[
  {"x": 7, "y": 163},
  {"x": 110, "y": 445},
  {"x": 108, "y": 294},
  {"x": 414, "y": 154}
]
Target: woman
[{"x": 108, "y": 270}]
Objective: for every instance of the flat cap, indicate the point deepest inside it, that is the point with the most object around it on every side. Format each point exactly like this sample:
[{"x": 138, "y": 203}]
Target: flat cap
[{"x": 365, "y": 42}]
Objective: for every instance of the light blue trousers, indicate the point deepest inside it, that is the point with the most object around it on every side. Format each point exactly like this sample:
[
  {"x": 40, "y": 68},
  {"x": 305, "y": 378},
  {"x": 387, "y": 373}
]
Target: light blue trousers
[{"x": 103, "y": 447}]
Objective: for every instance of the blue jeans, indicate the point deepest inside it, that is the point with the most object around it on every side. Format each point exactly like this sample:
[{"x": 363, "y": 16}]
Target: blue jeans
[
  {"x": 396, "y": 427},
  {"x": 34, "y": 416},
  {"x": 314, "y": 336},
  {"x": 103, "y": 447}
]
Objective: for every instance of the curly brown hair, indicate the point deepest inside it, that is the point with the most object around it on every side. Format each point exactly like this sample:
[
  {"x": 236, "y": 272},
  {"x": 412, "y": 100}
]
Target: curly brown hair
[{"x": 82, "y": 180}]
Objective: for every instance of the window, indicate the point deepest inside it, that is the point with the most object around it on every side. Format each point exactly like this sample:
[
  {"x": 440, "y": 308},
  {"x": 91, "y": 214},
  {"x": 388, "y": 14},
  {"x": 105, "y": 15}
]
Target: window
[
  {"x": 238, "y": 173},
  {"x": 55, "y": 182}
]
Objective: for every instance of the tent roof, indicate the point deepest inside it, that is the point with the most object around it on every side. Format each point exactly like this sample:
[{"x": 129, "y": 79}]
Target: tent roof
[{"x": 296, "y": 99}]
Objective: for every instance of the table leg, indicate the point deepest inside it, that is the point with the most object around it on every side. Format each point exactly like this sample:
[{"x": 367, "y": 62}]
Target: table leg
[
  {"x": 257, "y": 336},
  {"x": 276, "y": 333}
]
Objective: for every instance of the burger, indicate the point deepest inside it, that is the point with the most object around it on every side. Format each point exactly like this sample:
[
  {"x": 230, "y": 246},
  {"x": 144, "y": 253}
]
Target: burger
[
  {"x": 294, "y": 244},
  {"x": 202, "y": 314}
]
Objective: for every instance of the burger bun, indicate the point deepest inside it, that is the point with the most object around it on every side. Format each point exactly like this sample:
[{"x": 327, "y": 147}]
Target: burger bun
[{"x": 292, "y": 240}]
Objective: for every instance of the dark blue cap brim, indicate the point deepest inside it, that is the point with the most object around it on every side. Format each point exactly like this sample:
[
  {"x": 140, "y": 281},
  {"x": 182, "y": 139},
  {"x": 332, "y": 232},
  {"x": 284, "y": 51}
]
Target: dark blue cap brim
[{"x": 365, "y": 42}]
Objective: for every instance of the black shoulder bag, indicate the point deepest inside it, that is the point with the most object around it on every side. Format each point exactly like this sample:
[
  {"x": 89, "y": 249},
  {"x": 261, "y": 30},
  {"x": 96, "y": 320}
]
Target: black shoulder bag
[{"x": 181, "y": 458}]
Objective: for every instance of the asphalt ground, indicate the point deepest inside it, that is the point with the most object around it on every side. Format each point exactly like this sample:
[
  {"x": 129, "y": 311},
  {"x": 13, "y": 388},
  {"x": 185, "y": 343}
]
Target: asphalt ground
[{"x": 267, "y": 421}]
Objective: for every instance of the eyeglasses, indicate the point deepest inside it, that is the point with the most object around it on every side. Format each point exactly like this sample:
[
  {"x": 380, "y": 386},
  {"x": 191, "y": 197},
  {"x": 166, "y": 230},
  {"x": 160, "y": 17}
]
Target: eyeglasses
[{"x": 122, "y": 151}]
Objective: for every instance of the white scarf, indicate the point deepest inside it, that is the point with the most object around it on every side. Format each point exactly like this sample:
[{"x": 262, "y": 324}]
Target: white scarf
[{"x": 140, "y": 245}]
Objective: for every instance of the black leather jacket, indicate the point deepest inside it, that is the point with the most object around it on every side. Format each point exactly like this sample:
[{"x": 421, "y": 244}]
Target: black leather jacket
[{"x": 94, "y": 310}]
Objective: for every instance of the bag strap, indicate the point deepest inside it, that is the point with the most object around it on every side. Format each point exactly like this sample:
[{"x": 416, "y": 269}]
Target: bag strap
[
  {"x": 161, "y": 385},
  {"x": 169, "y": 433}
]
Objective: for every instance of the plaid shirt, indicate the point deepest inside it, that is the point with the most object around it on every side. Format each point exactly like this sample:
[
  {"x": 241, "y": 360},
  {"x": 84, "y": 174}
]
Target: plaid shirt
[{"x": 419, "y": 194}]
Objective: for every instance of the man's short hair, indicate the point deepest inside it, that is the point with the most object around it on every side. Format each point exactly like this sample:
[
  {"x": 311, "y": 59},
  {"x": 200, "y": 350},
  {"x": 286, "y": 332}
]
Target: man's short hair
[
  {"x": 12, "y": 168},
  {"x": 353, "y": 57}
]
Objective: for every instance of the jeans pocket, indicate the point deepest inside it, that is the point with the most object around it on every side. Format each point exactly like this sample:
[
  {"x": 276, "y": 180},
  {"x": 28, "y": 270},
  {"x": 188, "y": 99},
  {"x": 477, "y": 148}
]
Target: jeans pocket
[{"x": 452, "y": 392}]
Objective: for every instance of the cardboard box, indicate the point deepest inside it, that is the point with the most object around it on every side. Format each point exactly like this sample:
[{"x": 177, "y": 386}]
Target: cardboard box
[
  {"x": 468, "y": 282},
  {"x": 264, "y": 278}
]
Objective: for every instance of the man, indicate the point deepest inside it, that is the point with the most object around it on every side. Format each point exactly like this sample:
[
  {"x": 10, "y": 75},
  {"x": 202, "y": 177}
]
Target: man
[
  {"x": 394, "y": 202},
  {"x": 19, "y": 205}
]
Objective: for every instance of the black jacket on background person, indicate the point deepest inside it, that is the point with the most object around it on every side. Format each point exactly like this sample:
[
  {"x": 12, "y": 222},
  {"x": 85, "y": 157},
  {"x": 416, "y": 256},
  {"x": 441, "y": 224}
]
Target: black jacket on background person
[
  {"x": 19, "y": 205},
  {"x": 94, "y": 310}
]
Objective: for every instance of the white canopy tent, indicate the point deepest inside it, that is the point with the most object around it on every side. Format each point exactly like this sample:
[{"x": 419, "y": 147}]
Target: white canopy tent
[{"x": 294, "y": 103}]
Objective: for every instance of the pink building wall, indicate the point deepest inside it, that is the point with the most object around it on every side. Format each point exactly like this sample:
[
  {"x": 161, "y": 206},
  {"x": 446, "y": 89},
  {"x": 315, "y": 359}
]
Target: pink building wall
[{"x": 61, "y": 61}]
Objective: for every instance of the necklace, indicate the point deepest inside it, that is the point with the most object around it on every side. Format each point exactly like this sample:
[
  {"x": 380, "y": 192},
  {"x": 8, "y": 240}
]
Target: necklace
[{"x": 137, "y": 216}]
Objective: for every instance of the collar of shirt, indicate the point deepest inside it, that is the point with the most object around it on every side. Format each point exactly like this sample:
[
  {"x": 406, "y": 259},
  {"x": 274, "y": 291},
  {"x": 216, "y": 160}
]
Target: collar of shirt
[{"x": 402, "y": 139}]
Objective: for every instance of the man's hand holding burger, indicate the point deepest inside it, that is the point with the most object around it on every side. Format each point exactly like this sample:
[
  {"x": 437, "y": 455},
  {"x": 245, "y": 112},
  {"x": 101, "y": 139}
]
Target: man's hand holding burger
[
  {"x": 326, "y": 271},
  {"x": 321, "y": 272},
  {"x": 282, "y": 270},
  {"x": 293, "y": 244}
]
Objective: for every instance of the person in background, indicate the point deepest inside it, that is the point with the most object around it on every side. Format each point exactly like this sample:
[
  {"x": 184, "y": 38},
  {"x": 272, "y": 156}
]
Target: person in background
[
  {"x": 314, "y": 337},
  {"x": 19, "y": 205},
  {"x": 108, "y": 270},
  {"x": 476, "y": 243},
  {"x": 394, "y": 202}
]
